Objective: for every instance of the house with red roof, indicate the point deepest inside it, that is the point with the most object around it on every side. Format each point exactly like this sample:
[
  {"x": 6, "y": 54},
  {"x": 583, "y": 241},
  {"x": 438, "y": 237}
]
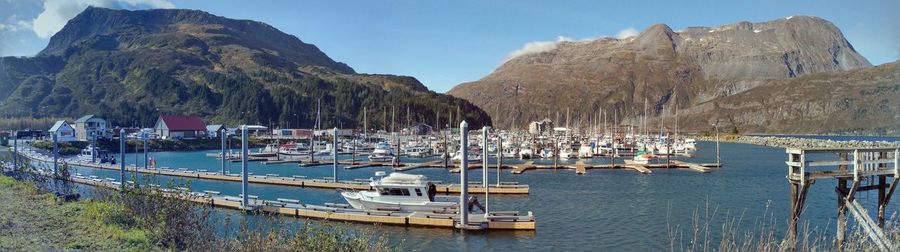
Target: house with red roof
[{"x": 180, "y": 127}]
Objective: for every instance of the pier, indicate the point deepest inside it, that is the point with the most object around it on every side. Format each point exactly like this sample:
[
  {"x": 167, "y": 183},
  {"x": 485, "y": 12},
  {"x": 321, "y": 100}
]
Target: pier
[
  {"x": 856, "y": 170},
  {"x": 496, "y": 220}
]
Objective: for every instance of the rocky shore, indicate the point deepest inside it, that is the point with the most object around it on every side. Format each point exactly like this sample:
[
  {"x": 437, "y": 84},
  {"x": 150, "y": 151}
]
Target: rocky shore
[{"x": 794, "y": 142}]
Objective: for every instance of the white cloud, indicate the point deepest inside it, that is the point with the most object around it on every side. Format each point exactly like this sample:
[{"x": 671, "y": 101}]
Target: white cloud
[
  {"x": 14, "y": 24},
  {"x": 542, "y": 46},
  {"x": 627, "y": 33},
  {"x": 57, "y": 12}
]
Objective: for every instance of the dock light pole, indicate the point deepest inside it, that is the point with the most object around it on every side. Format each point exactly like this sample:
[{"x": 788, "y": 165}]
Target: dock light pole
[
  {"x": 463, "y": 175},
  {"x": 55, "y": 153},
  {"x": 93, "y": 148},
  {"x": 224, "y": 132},
  {"x": 334, "y": 154},
  {"x": 122, "y": 156},
  {"x": 245, "y": 202},
  {"x": 484, "y": 168}
]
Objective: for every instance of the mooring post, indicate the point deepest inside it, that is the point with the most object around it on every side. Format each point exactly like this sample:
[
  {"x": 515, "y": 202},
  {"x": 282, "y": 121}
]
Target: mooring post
[
  {"x": 245, "y": 202},
  {"x": 484, "y": 156},
  {"x": 397, "y": 157},
  {"x": 463, "y": 178},
  {"x": 146, "y": 154},
  {"x": 484, "y": 170},
  {"x": 334, "y": 155},
  {"x": 446, "y": 150},
  {"x": 15, "y": 149},
  {"x": 499, "y": 157},
  {"x": 223, "y": 133},
  {"x": 122, "y": 157},
  {"x": 55, "y": 154},
  {"x": 93, "y": 148}
]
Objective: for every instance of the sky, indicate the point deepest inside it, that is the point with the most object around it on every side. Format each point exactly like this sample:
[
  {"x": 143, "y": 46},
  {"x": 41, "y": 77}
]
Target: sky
[{"x": 445, "y": 43}]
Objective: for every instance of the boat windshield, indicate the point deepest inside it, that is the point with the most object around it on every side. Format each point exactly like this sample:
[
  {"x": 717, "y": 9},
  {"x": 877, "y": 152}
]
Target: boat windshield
[{"x": 394, "y": 191}]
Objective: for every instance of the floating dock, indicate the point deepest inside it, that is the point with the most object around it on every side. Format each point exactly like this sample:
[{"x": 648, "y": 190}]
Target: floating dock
[
  {"x": 496, "y": 220},
  {"x": 301, "y": 181}
]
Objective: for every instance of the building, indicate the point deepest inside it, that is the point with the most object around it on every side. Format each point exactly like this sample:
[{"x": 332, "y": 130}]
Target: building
[
  {"x": 179, "y": 127},
  {"x": 63, "y": 131},
  {"x": 90, "y": 125},
  {"x": 419, "y": 129},
  {"x": 213, "y": 131},
  {"x": 540, "y": 127}
]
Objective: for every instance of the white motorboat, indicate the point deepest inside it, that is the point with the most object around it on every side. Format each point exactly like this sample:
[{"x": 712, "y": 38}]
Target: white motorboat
[
  {"x": 547, "y": 153},
  {"x": 382, "y": 153},
  {"x": 526, "y": 152},
  {"x": 293, "y": 151},
  {"x": 585, "y": 151},
  {"x": 566, "y": 152},
  {"x": 403, "y": 192},
  {"x": 641, "y": 156}
]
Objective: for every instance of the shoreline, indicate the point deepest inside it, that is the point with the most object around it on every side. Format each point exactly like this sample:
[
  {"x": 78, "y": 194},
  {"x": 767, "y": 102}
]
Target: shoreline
[{"x": 796, "y": 142}]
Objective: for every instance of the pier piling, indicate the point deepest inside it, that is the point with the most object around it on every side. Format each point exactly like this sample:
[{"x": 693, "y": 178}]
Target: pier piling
[
  {"x": 224, "y": 133},
  {"x": 15, "y": 149},
  {"x": 55, "y": 155},
  {"x": 334, "y": 152}
]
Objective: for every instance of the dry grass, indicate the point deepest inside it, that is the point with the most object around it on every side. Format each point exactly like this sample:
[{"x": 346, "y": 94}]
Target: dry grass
[{"x": 762, "y": 234}]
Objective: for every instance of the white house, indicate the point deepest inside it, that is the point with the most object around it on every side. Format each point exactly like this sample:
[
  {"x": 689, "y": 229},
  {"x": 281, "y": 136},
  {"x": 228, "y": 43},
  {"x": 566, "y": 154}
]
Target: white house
[
  {"x": 64, "y": 132},
  {"x": 89, "y": 125}
]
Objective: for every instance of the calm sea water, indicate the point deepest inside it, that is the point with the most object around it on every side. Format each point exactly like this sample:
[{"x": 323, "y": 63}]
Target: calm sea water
[{"x": 609, "y": 210}]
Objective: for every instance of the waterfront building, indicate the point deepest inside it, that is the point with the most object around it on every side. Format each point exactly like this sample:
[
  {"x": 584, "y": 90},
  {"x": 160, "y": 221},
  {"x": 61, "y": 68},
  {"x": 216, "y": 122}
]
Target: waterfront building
[
  {"x": 180, "y": 127},
  {"x": 64, "y": 132},
  {"x": 212, "y": 131},
  {"x": 89, "y": 125}
]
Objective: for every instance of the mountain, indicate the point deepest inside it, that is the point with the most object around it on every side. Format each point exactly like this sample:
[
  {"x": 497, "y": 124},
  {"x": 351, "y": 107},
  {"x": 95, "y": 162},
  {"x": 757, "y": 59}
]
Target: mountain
[
  {"x": 687, "y": 69},
  {"x": 131, "y": 66}
]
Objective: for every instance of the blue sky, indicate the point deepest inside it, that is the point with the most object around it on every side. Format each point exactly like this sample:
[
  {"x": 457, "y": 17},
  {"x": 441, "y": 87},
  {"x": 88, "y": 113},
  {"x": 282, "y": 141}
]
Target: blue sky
[{"x": 444, "y": 43}]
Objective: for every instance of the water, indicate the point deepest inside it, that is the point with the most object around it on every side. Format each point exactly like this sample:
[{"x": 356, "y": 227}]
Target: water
[{"x": 602, "y": 210}]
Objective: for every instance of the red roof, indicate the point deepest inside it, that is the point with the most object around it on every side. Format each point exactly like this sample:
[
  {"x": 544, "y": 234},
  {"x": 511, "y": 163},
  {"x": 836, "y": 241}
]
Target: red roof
[{"x": 183, "y": 123}]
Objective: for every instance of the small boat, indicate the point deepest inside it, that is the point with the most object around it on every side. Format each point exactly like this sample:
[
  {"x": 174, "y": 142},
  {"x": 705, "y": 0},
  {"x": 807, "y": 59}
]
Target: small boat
[
  {"x": 566, "y": 152},
  {"x": 270, "y": 150},
  {"x": 547, "y": 153},
  {"x": 293, "y": 151},
  {"x": 472, "y": 156},
  {"x": 401, "y": 192},
  {"x": 641, "y": 156}
]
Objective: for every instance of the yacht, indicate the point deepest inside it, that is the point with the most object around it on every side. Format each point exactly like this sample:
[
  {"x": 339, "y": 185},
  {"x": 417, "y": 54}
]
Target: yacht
[
  {"x": 401, "y": 191},
  {"x": 417, "y": 151},
  {"x": 270, "y": 150},
  {"x": 566, "y": 152},
  {"x": 472, "y": 157}
]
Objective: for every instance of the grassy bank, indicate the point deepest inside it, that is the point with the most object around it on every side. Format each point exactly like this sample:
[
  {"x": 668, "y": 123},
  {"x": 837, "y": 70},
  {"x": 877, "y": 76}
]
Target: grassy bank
[{"x": 33, "y": 220}]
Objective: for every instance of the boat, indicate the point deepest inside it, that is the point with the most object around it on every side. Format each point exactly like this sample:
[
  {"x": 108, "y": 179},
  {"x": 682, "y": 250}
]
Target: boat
[
  {"x": 293, "y": 151},
  {"x": 382, "y": 153},
  {"x": 526, "y": 152},
  {"x": 401, "y": 192},
  {"x": 585, "y": 151},
  {"x": 417, "y": 151},
  {"x": 472, "y": 155},
  {"x": 641, "y": 156},
  {"x": 547, "y": 153},
  {"x": 87, "y": 155},
  {"x": 566, "y": 152},
  {"x": 270, "y": 150}
]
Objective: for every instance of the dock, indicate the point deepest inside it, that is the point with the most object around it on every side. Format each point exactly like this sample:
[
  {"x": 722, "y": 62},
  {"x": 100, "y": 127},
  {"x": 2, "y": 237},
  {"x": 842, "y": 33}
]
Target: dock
[
  {"x": 496, "y": 220},
  {"x": 519, "y": 169},
  {"x": 637, "y": 167},
  {"x": 288, "y": 181},
  {"x": 692, "y": 166}
]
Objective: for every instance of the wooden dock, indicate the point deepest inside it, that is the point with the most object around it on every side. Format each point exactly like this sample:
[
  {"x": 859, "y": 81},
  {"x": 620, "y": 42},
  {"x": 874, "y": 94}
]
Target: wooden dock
[
  {"x": 519, "y": 169},
  {"x": 692, "y": 166},
  {"x": 637, "y": 167}
]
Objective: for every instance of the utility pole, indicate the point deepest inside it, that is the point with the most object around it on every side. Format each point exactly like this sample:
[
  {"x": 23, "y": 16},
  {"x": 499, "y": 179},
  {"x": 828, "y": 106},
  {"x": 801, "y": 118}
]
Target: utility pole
[
  {"x": 16, "y": 149},
  {"x": 485, "y": 167},
  {"x": 94, "y": 148},
  {"x": 55, "y": 154}
]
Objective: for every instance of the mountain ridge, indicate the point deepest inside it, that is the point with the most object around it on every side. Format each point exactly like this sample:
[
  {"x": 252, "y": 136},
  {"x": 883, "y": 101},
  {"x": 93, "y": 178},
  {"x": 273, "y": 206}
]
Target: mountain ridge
[
  {"x": 666, "y": 68},
  {"x": 131, "y": 66}
]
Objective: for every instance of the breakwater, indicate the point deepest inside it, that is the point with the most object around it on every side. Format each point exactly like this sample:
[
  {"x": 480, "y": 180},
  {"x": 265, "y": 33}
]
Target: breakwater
[{"x": 799, "y": 142}]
